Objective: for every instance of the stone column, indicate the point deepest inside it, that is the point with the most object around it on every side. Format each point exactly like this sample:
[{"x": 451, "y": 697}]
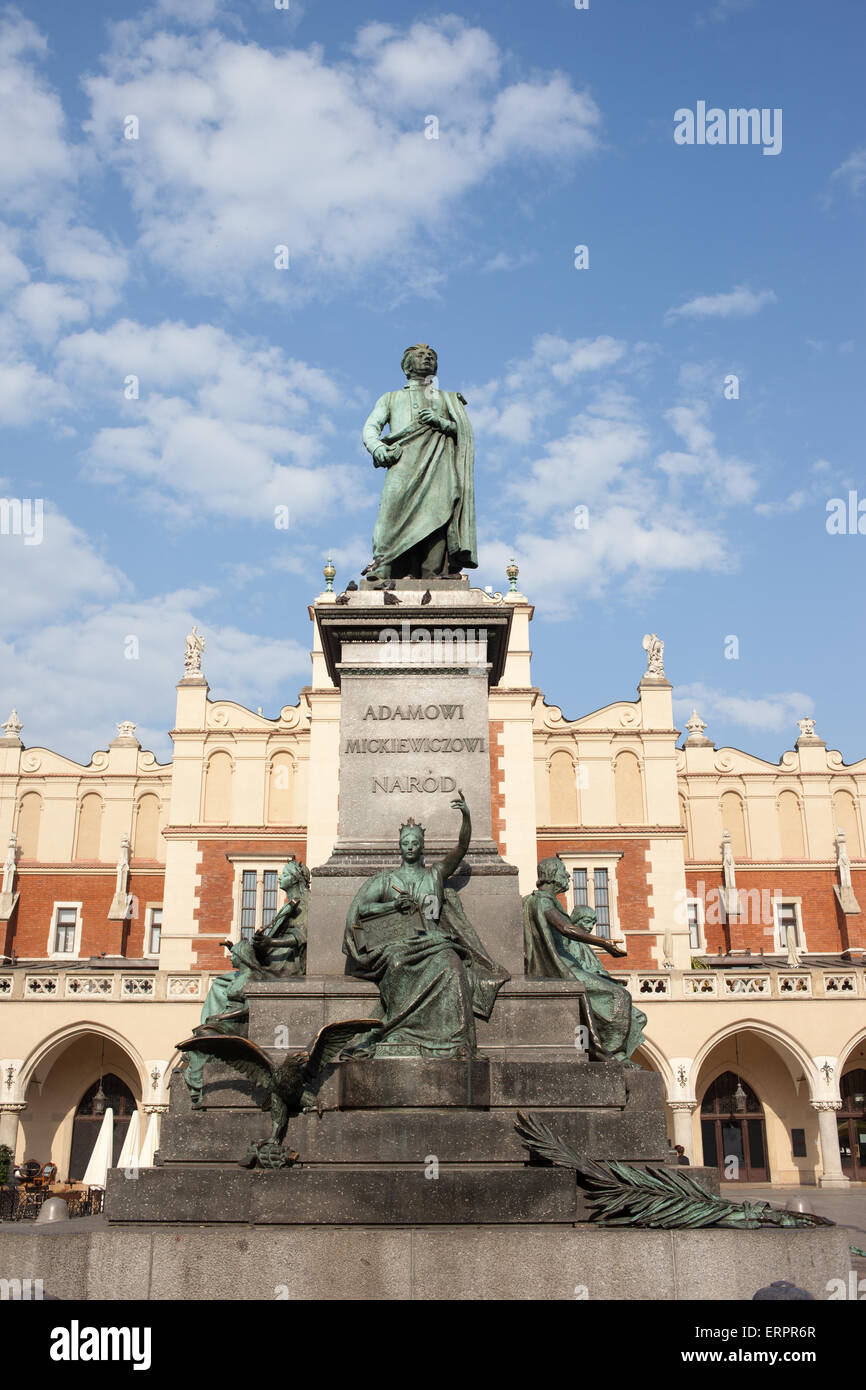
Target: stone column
[
  {"x": 831, "y": 1162},
  {"x": 9, "y": 1123},
  {"x": 682, "y": 1111}
]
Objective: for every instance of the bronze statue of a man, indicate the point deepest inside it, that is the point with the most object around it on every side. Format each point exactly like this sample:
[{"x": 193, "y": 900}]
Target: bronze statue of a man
[{"x": 426, "y": 522}]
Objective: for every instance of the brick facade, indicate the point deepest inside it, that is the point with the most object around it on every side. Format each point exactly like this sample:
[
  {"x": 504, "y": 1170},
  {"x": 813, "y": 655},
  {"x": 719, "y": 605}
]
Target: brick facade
[
  {"x": 826, "y": 928},
  {"x": 497, "y": 778},
  {"x": 632, "y": 890},
  {"x": 28, "y": 931},
  {"x": 216, "y": 909}
]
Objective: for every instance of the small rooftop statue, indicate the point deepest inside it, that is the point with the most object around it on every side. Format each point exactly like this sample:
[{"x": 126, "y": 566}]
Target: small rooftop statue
[
  {"x": 806, "y": 727},
  {"x": 654, "y": 648},
  {"x": 695, "y": 725},
  {"x": 13, "y": 725},
  {"x": 195, "y": 645}
]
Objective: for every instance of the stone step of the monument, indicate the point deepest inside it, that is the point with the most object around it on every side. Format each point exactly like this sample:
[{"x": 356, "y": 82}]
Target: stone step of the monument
[
  {"x": 411, "y": 1136},
  {"x": 403, "y": 1083},
  {"x": 528, "y": 1013},
  {"x": 371, "y": 1196},
  {"x": 344, "y": 1196}
]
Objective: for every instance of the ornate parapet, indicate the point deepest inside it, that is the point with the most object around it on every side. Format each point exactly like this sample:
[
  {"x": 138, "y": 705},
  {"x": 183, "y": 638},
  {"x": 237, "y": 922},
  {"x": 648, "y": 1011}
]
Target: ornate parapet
[{"x": 774, "y": 982}]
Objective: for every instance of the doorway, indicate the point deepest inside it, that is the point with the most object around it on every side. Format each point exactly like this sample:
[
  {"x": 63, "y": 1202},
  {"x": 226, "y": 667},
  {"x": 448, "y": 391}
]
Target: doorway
[
  {"x": 87, "y": 1123},
  {"x": 733, "y": 1132},
  {"x": 851, "y": 1120}
]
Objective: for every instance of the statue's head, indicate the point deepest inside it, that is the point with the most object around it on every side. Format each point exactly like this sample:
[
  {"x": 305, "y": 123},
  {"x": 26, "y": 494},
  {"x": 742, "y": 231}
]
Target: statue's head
[
  {"x": 552, "y": 873},
  {"x": 584, "y": 917},
  {"x": 411, "y": 841},
  {"x": 420, "y": 360},
  {"x": 293, "y": 874}
]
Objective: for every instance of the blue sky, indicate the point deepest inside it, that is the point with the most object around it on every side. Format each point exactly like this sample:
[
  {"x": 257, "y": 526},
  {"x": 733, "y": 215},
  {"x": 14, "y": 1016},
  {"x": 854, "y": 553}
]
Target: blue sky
[{"x": 602, "y": 387}]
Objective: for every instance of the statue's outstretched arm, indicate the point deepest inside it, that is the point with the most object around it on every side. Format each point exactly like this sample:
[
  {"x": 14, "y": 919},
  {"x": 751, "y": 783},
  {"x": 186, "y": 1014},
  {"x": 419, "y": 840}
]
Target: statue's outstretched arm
[
  {"x": 557, "y": 919},
  {"x": 451, "y": 863}
]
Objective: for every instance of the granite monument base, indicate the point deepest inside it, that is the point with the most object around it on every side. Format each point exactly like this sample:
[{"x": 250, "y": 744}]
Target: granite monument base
[{"x": 550, "y": 1261}]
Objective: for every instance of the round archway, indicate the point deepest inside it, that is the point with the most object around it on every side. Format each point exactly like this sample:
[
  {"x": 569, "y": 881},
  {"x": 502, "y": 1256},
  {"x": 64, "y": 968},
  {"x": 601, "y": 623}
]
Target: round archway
[
  {"x": 733, "y": 1131},
  {"x": 851, "y": 1120},
  {"x": 89, "y": 1117}
]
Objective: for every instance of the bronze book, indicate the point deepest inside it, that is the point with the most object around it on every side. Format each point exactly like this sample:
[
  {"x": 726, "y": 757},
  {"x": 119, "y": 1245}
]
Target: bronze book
[{"x": 374, "y": 932}]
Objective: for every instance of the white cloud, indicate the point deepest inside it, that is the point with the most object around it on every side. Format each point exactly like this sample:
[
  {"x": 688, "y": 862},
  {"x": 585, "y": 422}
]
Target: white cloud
[
  {"x": 722, "y": 11},
  {"x": 740, "y": 302},
  {"x": 531, "y": 389},
  {"x": 62, "y": 573},
  {"x": 852, "y": 171},
  {"x": 243, "y": 149},
  {"x": 508, "y": 260},
  {"x": 74, "y": 252},
  {"x": 728, "y": 479},
  {"x": 582, "y": 466},
  {"x": 566, "y": 567},
  {"x": 27, "y": 394},
  {"x": 47, "y": 309},
  {"x": 768, "y": 713},
  {"x": 72, "y": 682},
  {"x": 221, "y": 426},
  {"x": 37, "y": 160}
]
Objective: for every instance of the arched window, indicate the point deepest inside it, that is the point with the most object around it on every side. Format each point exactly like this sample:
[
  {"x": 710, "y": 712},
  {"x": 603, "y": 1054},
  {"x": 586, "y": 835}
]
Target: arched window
[
  {"x": 733, "y": 1131},
  {"x": 628, "y": 790},
  {"x": 218, "y": 788},
  {"x": 563, "y": 789},
  {"x": 845, "y": 818},
  {"x": 29, "y": 818},
  {"x": 146, "y": 842},
  {"x": 791, "y": 826},
  {"x": 89, "y": 827},
  {"x": 281, "y": 790},
  {"x": 734, "y": 820},
  {"x": 86, "y": 1125}
]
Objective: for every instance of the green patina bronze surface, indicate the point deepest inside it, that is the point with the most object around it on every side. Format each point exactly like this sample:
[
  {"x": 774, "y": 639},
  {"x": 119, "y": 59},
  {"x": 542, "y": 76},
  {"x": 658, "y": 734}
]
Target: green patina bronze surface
[
  {"x": 558, "y": 947},
  {"x": 408, "y": 932},
  {"x": 657, "y": 1197},
  {"x": 426, "y": 522},
  {"x": 275, "y": 952},
  {"x": 288, "y": 1085}
]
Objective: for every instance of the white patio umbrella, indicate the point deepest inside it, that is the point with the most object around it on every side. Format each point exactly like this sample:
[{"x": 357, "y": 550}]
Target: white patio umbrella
[
  {"x": 131, "y": 1143},
  {"x": 100, "y": 1160},
  {"x": 151, "y": 1141}
]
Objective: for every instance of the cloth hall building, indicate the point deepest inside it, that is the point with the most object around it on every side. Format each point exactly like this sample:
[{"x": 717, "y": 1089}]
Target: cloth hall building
[{"x": 737, "y": 887}]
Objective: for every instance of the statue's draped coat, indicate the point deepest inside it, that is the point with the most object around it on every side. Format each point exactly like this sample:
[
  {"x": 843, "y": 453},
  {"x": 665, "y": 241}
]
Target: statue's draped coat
[{"x": 431, "y": 486}]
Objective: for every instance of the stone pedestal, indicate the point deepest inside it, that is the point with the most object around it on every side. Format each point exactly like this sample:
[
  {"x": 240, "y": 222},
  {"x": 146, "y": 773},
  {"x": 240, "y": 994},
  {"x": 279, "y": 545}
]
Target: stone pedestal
[{"x": 414, "y": 731}]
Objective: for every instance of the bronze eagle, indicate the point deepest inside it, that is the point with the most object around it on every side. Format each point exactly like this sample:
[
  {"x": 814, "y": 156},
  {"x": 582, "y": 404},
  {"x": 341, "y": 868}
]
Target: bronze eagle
[{"x": 289, "y": 1083}]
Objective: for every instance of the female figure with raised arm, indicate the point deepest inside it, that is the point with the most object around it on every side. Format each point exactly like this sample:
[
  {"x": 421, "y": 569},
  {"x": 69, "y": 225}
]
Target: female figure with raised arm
[{"x": 408, "y": 932}]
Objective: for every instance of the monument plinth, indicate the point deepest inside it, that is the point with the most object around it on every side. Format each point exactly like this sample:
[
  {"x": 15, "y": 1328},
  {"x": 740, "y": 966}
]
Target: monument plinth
[{"x": 414, "y": 676}]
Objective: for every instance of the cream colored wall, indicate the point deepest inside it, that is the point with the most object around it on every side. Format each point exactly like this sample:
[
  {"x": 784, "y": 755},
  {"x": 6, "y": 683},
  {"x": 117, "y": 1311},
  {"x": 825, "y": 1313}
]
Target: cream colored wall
[
  {"x": 119, "y": 776},
  {"x": 813, "y": 773},
  {"x": 58, "y": 1043}
]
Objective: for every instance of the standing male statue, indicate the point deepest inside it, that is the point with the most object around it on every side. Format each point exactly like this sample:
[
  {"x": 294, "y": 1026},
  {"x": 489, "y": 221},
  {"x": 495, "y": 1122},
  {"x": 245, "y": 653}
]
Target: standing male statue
[{"x": 426, "y": 522}]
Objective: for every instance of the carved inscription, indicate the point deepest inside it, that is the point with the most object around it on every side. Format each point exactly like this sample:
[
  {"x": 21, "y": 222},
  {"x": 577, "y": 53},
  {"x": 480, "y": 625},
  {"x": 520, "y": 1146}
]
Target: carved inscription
[{"x": 428, "y": 781}]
